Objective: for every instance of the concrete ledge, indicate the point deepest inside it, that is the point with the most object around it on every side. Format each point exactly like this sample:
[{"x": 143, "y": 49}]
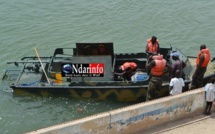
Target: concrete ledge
[{"x": 135, "y": 118}]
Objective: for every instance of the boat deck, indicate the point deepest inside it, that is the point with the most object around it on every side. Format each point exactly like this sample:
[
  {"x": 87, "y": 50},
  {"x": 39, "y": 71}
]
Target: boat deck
[{"x": 30, "y": 78}]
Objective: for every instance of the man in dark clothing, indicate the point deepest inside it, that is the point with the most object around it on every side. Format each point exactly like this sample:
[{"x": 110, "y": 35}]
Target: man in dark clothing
[
  {"x": 177, "y": 65},
  {"x": 202, "y": 61}
]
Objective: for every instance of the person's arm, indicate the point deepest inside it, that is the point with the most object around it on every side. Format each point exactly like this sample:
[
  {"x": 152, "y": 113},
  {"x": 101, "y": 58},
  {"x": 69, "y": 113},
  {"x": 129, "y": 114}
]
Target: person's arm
[
  {"x": 158, "y": 48},
  {"x": 118, "y": 73},
  {"x": 183, "y": 83},
  {"x": 169, "y": 69},
  {"x": 202, "y": 57},
  {"x": 170, "y": 86},
  {"x": 206, "y": 87},
  {"x": 128, "y": 70},
  {"x": 199, "y": 65},
  {"x": 183, "y": 64},
  {"x": 147, "y": 48},
  {"x": 149, "y": 66}
]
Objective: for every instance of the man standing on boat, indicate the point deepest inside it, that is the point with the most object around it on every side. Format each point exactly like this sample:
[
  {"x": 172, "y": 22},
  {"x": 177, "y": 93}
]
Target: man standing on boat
[
  {"x": 152, "y": 46},
  {"x": 202, "y": 61},
  {"x": 177, "y": 65},
  {"x": 156, "y": 69}
]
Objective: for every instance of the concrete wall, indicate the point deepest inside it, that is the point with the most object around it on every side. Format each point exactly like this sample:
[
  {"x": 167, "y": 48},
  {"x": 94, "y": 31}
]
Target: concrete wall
[{"x": 135, "y": 118}]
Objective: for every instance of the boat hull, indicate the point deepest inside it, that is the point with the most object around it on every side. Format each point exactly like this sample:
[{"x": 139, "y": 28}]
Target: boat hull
[{"x": 121, "y": 94}]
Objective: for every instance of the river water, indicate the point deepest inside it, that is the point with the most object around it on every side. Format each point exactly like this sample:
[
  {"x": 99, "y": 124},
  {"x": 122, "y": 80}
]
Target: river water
[{"x": 47, "y": 24}]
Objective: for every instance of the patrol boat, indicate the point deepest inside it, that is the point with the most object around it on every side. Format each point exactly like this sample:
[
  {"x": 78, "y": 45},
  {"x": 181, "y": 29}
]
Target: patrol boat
[{"x": 90, "y": 71}]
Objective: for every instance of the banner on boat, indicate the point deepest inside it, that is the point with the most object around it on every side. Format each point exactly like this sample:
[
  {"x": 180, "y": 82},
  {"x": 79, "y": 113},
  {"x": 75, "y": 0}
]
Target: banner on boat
[{"x": 83, "y": 70}]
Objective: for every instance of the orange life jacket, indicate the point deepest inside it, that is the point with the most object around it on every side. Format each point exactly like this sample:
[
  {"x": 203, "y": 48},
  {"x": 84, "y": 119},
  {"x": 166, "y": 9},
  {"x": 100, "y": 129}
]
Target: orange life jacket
[
  {"x": 152, "y": 47},
  {"x": 207, "y": 56},
  {"x": 132, "y": 65},
  {"x": 160, "y": 65}
]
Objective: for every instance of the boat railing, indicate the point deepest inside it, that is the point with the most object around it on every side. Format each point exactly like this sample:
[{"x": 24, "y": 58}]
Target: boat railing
[
  {"x": 11, "y": 75},
  {"x": 34, "y": 58},
  {"x": 130, "y": 55}
]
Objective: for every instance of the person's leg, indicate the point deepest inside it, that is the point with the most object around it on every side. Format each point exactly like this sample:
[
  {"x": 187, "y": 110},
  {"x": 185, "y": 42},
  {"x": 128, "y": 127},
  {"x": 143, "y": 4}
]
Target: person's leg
[
  {"x": 209, "y": 108},
  {"x": 193, "y": 83},
  {"x": 200, "y": 82},
  {"x": 206, "y": 108},
  {"x": 159, "y": 86},
  {"x": 200, "y": 78},
  {"x": 151, "y": 94}
]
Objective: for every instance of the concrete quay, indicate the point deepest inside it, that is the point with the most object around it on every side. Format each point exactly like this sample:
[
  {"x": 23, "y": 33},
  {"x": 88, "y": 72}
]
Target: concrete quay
[{"x": 157, "y": 116}]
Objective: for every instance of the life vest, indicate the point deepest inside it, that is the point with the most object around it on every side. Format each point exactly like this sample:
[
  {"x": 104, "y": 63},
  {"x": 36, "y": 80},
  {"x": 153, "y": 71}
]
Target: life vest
[
  {"x": 152, "y": 47},
  {"x": 207, "y": 56},
  {"x": 160, "y": 65},
  {"x": 132, "y": 65}
]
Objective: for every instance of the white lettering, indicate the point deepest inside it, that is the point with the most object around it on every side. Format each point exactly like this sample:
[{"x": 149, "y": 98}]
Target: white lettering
[
  {"x": 74, "y": 68},
  {"x": 80, "y": 69}
]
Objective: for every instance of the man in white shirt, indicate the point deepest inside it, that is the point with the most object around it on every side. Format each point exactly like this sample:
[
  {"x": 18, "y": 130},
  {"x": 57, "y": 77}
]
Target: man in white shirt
[
  {"x": 176, "y": 84},
  {"x": 210, "y": 96}
]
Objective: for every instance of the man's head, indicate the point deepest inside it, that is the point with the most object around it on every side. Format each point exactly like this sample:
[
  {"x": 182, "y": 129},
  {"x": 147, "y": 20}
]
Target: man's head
[
  {"x": 154, "y": 39},
  {"x": 175, "y": 55},
  {"x": 203, "y": 46}
]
